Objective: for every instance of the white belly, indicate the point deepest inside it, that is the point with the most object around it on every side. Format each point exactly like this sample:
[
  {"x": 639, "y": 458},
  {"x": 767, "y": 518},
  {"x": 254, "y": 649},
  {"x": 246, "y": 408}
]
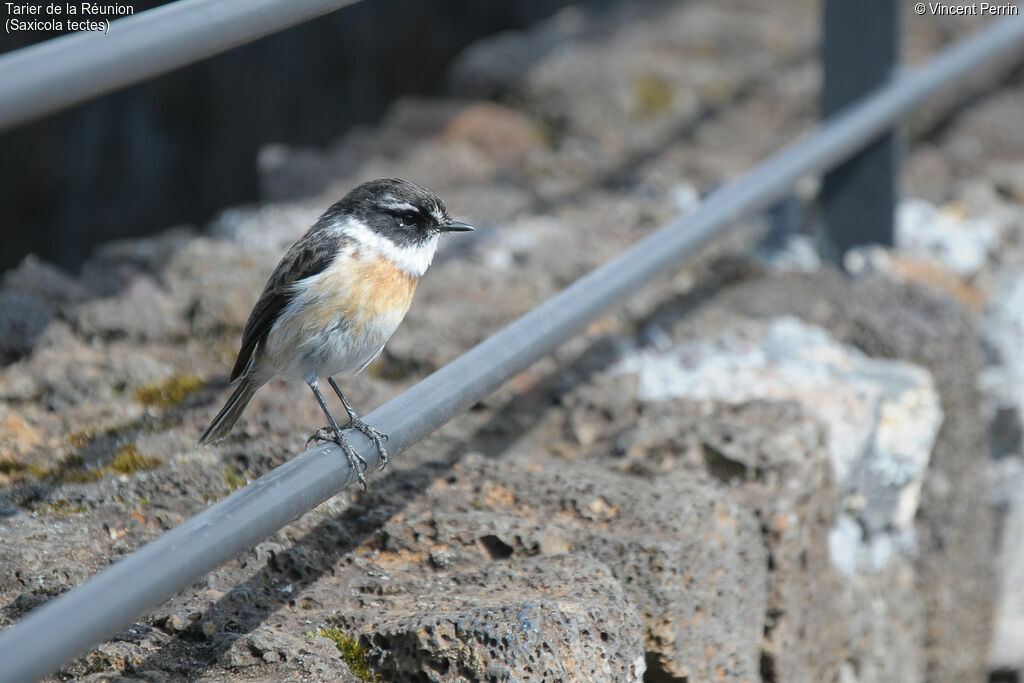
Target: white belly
[
  {"x": 295, "y": 351},
  {"x": 338, "y": 320}
]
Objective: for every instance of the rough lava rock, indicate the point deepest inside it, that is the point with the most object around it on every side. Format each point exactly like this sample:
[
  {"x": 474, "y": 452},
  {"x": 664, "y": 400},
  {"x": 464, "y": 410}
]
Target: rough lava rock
[
  {"x": 692, "y": 530},
  {"x": 541, "y": 618},
  {"x": 689, "y": 559}
]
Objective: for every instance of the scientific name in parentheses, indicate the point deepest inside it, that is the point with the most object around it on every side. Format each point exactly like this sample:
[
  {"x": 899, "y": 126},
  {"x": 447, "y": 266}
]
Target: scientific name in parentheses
[{"x": 54, "y": 16}]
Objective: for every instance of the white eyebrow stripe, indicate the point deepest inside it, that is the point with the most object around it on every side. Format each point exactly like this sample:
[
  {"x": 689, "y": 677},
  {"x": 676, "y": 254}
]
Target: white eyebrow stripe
[{"x": 389, "y": 202}]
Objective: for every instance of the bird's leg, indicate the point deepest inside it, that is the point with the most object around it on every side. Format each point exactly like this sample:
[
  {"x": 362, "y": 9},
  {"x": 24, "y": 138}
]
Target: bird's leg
[
  {"x": 354, "y": 459},
  {"x": 375, "y": 435}
]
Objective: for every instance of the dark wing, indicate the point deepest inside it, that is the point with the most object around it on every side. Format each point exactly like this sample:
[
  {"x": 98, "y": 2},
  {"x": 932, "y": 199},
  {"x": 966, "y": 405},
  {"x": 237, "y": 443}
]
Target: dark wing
[{"x": 309, "y": 256}]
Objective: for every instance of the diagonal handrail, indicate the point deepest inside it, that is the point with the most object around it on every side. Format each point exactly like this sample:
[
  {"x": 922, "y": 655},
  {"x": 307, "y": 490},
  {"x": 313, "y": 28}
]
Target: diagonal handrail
[
  {"x": 56, "y": 632},
  {"x": 44, "y": 78}
]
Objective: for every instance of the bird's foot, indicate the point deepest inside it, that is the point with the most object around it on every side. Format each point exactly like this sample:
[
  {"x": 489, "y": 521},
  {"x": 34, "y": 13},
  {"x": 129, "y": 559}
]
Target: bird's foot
[
  {"x": 355, "y": 460},
  {"x": 322, "y": 434},
  {"x": 373, "y": 434}
]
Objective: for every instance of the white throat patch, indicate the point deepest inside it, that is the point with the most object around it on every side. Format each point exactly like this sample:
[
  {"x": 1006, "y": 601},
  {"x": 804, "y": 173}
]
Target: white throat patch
[{"x": 413, "y": 260}]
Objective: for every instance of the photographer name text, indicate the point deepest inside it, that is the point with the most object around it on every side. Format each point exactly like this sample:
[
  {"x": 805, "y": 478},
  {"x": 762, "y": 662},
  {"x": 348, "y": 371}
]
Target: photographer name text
[{"x": 972, "y": 9}]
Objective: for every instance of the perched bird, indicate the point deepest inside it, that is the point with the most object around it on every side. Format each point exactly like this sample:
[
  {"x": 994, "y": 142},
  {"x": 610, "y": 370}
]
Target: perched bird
[{"x": 336, "y": 297}]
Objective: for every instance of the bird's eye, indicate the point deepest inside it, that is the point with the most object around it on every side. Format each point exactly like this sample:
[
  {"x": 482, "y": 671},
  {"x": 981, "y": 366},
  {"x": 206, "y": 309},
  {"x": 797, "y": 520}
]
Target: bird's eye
[{"x": 407, "y": 219}]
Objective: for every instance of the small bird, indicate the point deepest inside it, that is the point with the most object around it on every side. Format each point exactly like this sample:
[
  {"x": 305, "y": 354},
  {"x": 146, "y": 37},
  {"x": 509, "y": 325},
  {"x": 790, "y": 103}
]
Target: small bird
[{"x": 335, "y": 299}]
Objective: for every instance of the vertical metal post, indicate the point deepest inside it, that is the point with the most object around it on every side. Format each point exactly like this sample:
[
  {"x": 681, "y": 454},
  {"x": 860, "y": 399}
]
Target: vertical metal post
[{"x": 860, "y": 51}]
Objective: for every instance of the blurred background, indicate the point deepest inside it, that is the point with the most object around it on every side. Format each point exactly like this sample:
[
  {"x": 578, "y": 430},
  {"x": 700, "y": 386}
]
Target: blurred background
[
  {"x": 772, "y": 465},
  {"x": 178, "y": 148}
]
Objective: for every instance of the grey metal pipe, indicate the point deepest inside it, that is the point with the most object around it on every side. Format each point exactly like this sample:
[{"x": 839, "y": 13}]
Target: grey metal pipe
[
  {"x": 58, "y": 73},
  {"x": 65, "y": 626}
]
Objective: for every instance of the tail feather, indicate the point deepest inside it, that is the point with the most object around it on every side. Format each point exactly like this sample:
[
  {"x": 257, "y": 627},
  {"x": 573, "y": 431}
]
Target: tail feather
[{"x": 232, "y": 410}]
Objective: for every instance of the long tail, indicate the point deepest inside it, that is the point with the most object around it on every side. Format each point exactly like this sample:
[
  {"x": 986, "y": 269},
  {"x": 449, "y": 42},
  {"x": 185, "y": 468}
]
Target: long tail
[{"x": 232, "y": 410}]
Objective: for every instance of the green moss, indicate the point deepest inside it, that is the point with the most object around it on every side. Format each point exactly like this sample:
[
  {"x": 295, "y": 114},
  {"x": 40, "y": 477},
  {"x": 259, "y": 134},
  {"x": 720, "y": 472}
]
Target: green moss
[
  {"x": 130, "y": 460},
  {"x": 169, "y": 392},
  {"x": 108, "y": 436},
  {"x": 75, "y": 476},
  {"x": 652, "y": 96},
  {"x": 77, "y": 441},
  {"x": 351, "y": 651},
  {"x": 73, "y": 470},
  {"x": 60, "y": 507},
  {"x": 38, "y": 472},
  {"x": 12, "y": 468},
  {"x": 82, "y": 438},
  {"x": 234, "y": 477},
  {"x": 18, "y": 472},
  {"x": 546, "y": 133}
]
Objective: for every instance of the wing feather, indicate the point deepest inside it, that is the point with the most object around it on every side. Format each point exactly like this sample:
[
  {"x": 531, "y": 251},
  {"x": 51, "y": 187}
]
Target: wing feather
[{"x": 310, "y": 255}]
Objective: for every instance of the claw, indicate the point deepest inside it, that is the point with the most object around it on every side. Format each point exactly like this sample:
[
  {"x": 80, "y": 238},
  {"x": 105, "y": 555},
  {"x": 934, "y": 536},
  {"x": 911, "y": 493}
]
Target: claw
[
  {"x": 373, "y": 434},
  {"x": 322, "y": 434},
  {"x": 355, "y": 460}
]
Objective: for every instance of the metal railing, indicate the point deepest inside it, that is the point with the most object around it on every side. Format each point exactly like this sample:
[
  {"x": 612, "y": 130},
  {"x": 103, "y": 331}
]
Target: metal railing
[
  {"x": 62, "y": 628},
  {"x": 58, "y": 73},
  {"x": 860, "y": 51}
]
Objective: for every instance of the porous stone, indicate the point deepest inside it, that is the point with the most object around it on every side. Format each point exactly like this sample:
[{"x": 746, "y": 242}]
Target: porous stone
[
  {"x": 625, "y": 139},
  {"x": 688, "y": 558},
  {"x": 882, "y": 416},
  {"x": 32, "y": 296},
  {"x": 142, "y": 311},
  {"x": 946, "y": 235},
  {"x": 952, "y": 569},
  {"x": 773, "y": 456},
  {"x": 541, "y": 618}
]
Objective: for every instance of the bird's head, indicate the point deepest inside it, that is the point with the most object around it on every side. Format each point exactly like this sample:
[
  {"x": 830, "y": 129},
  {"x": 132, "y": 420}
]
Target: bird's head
[
  {"x": 398, "y": 219},
  {"x": 403, "y": 212}
]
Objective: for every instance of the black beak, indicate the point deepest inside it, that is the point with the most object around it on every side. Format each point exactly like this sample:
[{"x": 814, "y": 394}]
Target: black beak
[{"x": 457, "y": 226}]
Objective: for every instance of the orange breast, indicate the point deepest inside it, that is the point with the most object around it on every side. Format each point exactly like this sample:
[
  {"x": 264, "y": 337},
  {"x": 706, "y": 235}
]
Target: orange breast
[
  {"x": 361, "y": 290},
  {"x": 381, "y": 288}
]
